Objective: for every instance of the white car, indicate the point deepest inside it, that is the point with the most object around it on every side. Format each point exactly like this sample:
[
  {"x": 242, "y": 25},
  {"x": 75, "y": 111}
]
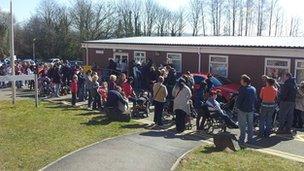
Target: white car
[{"x": 54, "y": 60}]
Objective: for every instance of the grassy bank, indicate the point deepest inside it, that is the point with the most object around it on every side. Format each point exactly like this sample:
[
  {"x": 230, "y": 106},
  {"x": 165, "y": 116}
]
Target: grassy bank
[
  {"x": 207, "y": 158},
  {"x": 30, "y": 138}
]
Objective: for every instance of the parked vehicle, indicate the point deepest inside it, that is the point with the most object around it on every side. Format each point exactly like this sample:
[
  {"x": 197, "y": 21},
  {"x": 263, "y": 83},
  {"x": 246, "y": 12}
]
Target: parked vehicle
[
  {"x": 32, "y": 62},
  {"x": 226, "y": 86},
  {"x": 54, "y": 60},
  {"x": 76, "y": 63}
]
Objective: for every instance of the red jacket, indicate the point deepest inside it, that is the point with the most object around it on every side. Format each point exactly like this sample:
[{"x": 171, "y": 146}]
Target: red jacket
[
  {"x": 74, "y": 86},
  {"x": 127, "y": 89}
]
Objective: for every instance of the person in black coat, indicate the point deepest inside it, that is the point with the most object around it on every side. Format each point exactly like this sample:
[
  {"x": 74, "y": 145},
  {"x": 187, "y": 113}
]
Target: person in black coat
[{"x": 287, "y": 104}]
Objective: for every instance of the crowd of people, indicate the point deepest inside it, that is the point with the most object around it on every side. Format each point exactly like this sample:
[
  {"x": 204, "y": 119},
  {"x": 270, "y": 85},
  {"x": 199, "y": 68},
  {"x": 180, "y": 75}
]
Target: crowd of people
[{"x": 114, "y": 91}]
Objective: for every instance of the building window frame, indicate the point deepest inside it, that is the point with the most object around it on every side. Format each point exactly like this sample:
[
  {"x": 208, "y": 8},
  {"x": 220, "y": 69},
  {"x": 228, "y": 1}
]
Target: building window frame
[
  {"x": 178, "y": 57},
  {"x": 216, "y": 62},
  {"x": 298, "y": 68},
  {"x": 288, "y": 67},
  {"x": 142, "y": 58}
]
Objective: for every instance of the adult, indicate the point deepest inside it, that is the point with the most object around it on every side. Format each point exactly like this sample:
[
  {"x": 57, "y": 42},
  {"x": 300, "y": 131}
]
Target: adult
[
  {"x": 214, "y": 106},
  {"x": 182, "y": 95},
  {"x": 56, "y": 79},
  {"x": 245, "y": 104},
  {"x": 81, "y": 84},
  {"x": 268, "y": 96},
  {"x": 209, "y": 82},
  {"x": 160, "y": 94},
  {"x": 88, "y": 87},
  {"x": 299, "y": 109},
  {"x": 116, "y": 104},
  {"x": 287, "y": 104}
]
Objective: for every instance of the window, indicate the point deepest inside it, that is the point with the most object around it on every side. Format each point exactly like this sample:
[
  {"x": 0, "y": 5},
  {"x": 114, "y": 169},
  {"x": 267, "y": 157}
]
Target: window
[
  {"x": 175, "y": 59},
  {"x": 277, "y": 68},
  {"x": 299, "y": 71},
  {"x": 140, "y": 57},
  {"x": 218, "y": 65}
]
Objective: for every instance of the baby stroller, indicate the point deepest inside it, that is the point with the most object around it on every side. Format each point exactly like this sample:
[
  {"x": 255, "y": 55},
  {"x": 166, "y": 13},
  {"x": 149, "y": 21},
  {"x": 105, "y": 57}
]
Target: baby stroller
[
  {"x": 168, "y": 109},
  {"x": 141, "y": 105},
  {"x": 190, "y": 116},
  {"x": 45, "y": 87}
]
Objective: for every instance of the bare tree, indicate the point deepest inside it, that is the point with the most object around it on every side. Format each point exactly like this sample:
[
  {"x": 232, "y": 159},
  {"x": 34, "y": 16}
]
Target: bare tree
[
  {"x": 248, "y": 18},
  {"x": 194, "y": 15},
  {"x": 162, "y": 21},
  {"x": 273, "y": 6},
  {"x": 93, "y": 21},
  {"x": 241, "y": 17},
  {"x": 181, "y": 22},
  {"x": 150, "y": 17}
]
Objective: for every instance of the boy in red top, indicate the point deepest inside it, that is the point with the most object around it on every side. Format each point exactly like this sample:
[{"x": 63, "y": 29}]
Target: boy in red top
[
  {"x": 74, "y": 89},
  {"x": 268, "y": 96},
  {"x": 127, "y": 88}
]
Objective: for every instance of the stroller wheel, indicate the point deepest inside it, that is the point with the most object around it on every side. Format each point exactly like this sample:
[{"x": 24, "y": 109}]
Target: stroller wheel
[{"x": 209, "y": 126}]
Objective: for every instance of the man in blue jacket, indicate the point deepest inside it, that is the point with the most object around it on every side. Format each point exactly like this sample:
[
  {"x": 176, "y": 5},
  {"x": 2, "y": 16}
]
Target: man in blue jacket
[
  {"x": 246, "y": 104},
  {"x": 287, "y": 104}
]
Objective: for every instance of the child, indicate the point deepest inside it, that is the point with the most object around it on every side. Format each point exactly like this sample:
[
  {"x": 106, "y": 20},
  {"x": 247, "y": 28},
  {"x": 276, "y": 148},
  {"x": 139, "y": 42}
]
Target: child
[
  {"x": 103, "y": 92},
  {"x": 95, "y": 94},
  {"x": 74, "y": 89}
]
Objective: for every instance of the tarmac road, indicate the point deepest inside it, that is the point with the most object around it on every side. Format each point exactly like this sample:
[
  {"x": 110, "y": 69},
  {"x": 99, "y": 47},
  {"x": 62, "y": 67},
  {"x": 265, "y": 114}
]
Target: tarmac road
[{"x": 149, "y": 151}]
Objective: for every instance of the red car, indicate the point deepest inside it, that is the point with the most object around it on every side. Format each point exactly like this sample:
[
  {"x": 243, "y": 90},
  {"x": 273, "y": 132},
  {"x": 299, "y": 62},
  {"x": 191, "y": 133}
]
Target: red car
[{"x": 219, "y": 83}]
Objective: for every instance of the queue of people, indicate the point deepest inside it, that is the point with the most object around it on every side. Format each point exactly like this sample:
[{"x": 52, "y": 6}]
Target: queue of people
[{"x": 166, "y": 85}]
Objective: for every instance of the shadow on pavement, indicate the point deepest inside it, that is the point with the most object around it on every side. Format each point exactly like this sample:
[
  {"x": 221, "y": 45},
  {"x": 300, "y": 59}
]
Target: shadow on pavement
[
  {"x": 171, "y": 135},
  {"x": 269, "y": 142}
]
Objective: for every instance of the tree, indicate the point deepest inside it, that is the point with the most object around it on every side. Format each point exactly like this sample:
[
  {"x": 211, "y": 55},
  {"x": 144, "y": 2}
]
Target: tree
[
  {"x": 194, "y": 15},
  {"x": 271, "y": 12},
  {"x": 150, "y": 17},
  {"x": 4, "y": 31}
]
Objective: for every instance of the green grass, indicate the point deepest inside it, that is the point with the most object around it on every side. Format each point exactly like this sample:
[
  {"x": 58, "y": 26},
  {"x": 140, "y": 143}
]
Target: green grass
[
  {"x": 30, "y": 138},
  {"x": 207, "y": 158}
]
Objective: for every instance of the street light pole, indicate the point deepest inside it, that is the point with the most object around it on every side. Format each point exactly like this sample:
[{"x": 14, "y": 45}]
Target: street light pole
[
  {"x": 34, "y": 52},
  {"x": 12, "y": 53}
]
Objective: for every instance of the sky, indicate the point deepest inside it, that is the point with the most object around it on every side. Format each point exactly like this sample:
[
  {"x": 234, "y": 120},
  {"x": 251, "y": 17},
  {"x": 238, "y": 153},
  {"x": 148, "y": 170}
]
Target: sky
[{"x": 25, "y": 8}]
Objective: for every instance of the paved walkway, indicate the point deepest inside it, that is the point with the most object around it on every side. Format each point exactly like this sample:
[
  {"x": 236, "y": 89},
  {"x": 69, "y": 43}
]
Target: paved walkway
[
  {"x": 159, "y": 150},
  {"x": 152, "y": 150}
]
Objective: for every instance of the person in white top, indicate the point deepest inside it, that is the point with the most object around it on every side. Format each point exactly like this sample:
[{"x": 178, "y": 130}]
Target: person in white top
[{"x": 182, "y": 95}]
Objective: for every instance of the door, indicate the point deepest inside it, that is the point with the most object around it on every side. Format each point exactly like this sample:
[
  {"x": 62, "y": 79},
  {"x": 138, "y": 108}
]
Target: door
[{"x": 122, "y": 61}]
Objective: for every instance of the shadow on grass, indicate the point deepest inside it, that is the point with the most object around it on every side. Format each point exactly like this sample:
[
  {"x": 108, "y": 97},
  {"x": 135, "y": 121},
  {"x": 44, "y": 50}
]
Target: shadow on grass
[
  {"x": 135, "y": 126},
  {"x": 98, "y": 120},
  {"x": 210, "y": 149}
]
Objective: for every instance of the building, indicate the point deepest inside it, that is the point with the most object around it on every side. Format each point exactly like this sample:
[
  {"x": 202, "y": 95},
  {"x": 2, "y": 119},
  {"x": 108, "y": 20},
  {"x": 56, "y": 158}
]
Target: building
[{"x": 227, "y": 56}]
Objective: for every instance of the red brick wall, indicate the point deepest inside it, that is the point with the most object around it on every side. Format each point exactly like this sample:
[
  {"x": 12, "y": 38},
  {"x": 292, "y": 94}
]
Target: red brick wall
[{"x": 238, "y": 64}]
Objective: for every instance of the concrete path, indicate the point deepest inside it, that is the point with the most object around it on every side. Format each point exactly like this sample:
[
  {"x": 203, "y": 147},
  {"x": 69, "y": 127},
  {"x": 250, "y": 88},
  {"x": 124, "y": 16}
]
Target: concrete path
[{"x": 152, "y": 150}]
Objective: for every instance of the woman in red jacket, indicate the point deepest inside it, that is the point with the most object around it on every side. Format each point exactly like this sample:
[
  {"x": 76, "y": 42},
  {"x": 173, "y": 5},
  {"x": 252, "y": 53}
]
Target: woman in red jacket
[{"x": 74, "y": 89}]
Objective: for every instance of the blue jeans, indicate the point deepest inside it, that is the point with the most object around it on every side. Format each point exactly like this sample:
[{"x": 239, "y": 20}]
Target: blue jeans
[
  {"x": 57, "y": 89},
  {"x": 245, "y": 120},
  {"x": 265, "y": 123}
]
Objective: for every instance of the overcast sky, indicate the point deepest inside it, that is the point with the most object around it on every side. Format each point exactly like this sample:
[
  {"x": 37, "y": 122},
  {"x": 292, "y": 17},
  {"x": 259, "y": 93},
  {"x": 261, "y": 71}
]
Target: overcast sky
[{"x": 25, "y": 8}]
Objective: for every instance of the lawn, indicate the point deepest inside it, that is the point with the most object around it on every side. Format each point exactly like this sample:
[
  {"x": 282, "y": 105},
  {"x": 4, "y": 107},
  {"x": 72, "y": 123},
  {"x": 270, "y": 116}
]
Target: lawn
[
  {"x": 207, "y": 158},
  {"x": 30, "y": 138}
]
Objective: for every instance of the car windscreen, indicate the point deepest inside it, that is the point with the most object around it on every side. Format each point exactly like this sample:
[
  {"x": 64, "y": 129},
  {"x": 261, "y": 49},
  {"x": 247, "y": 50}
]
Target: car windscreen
[
  {"x": 215, "y": 81},
  {"x": 223, "y": 80}
]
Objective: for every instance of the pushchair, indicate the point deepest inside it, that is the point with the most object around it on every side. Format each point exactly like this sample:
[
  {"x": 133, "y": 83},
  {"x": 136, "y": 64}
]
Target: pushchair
[
  {"x": 141, "y": 105},
  {"x": 190, "y": 116},
  {"x": 45, "y": 87}
]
